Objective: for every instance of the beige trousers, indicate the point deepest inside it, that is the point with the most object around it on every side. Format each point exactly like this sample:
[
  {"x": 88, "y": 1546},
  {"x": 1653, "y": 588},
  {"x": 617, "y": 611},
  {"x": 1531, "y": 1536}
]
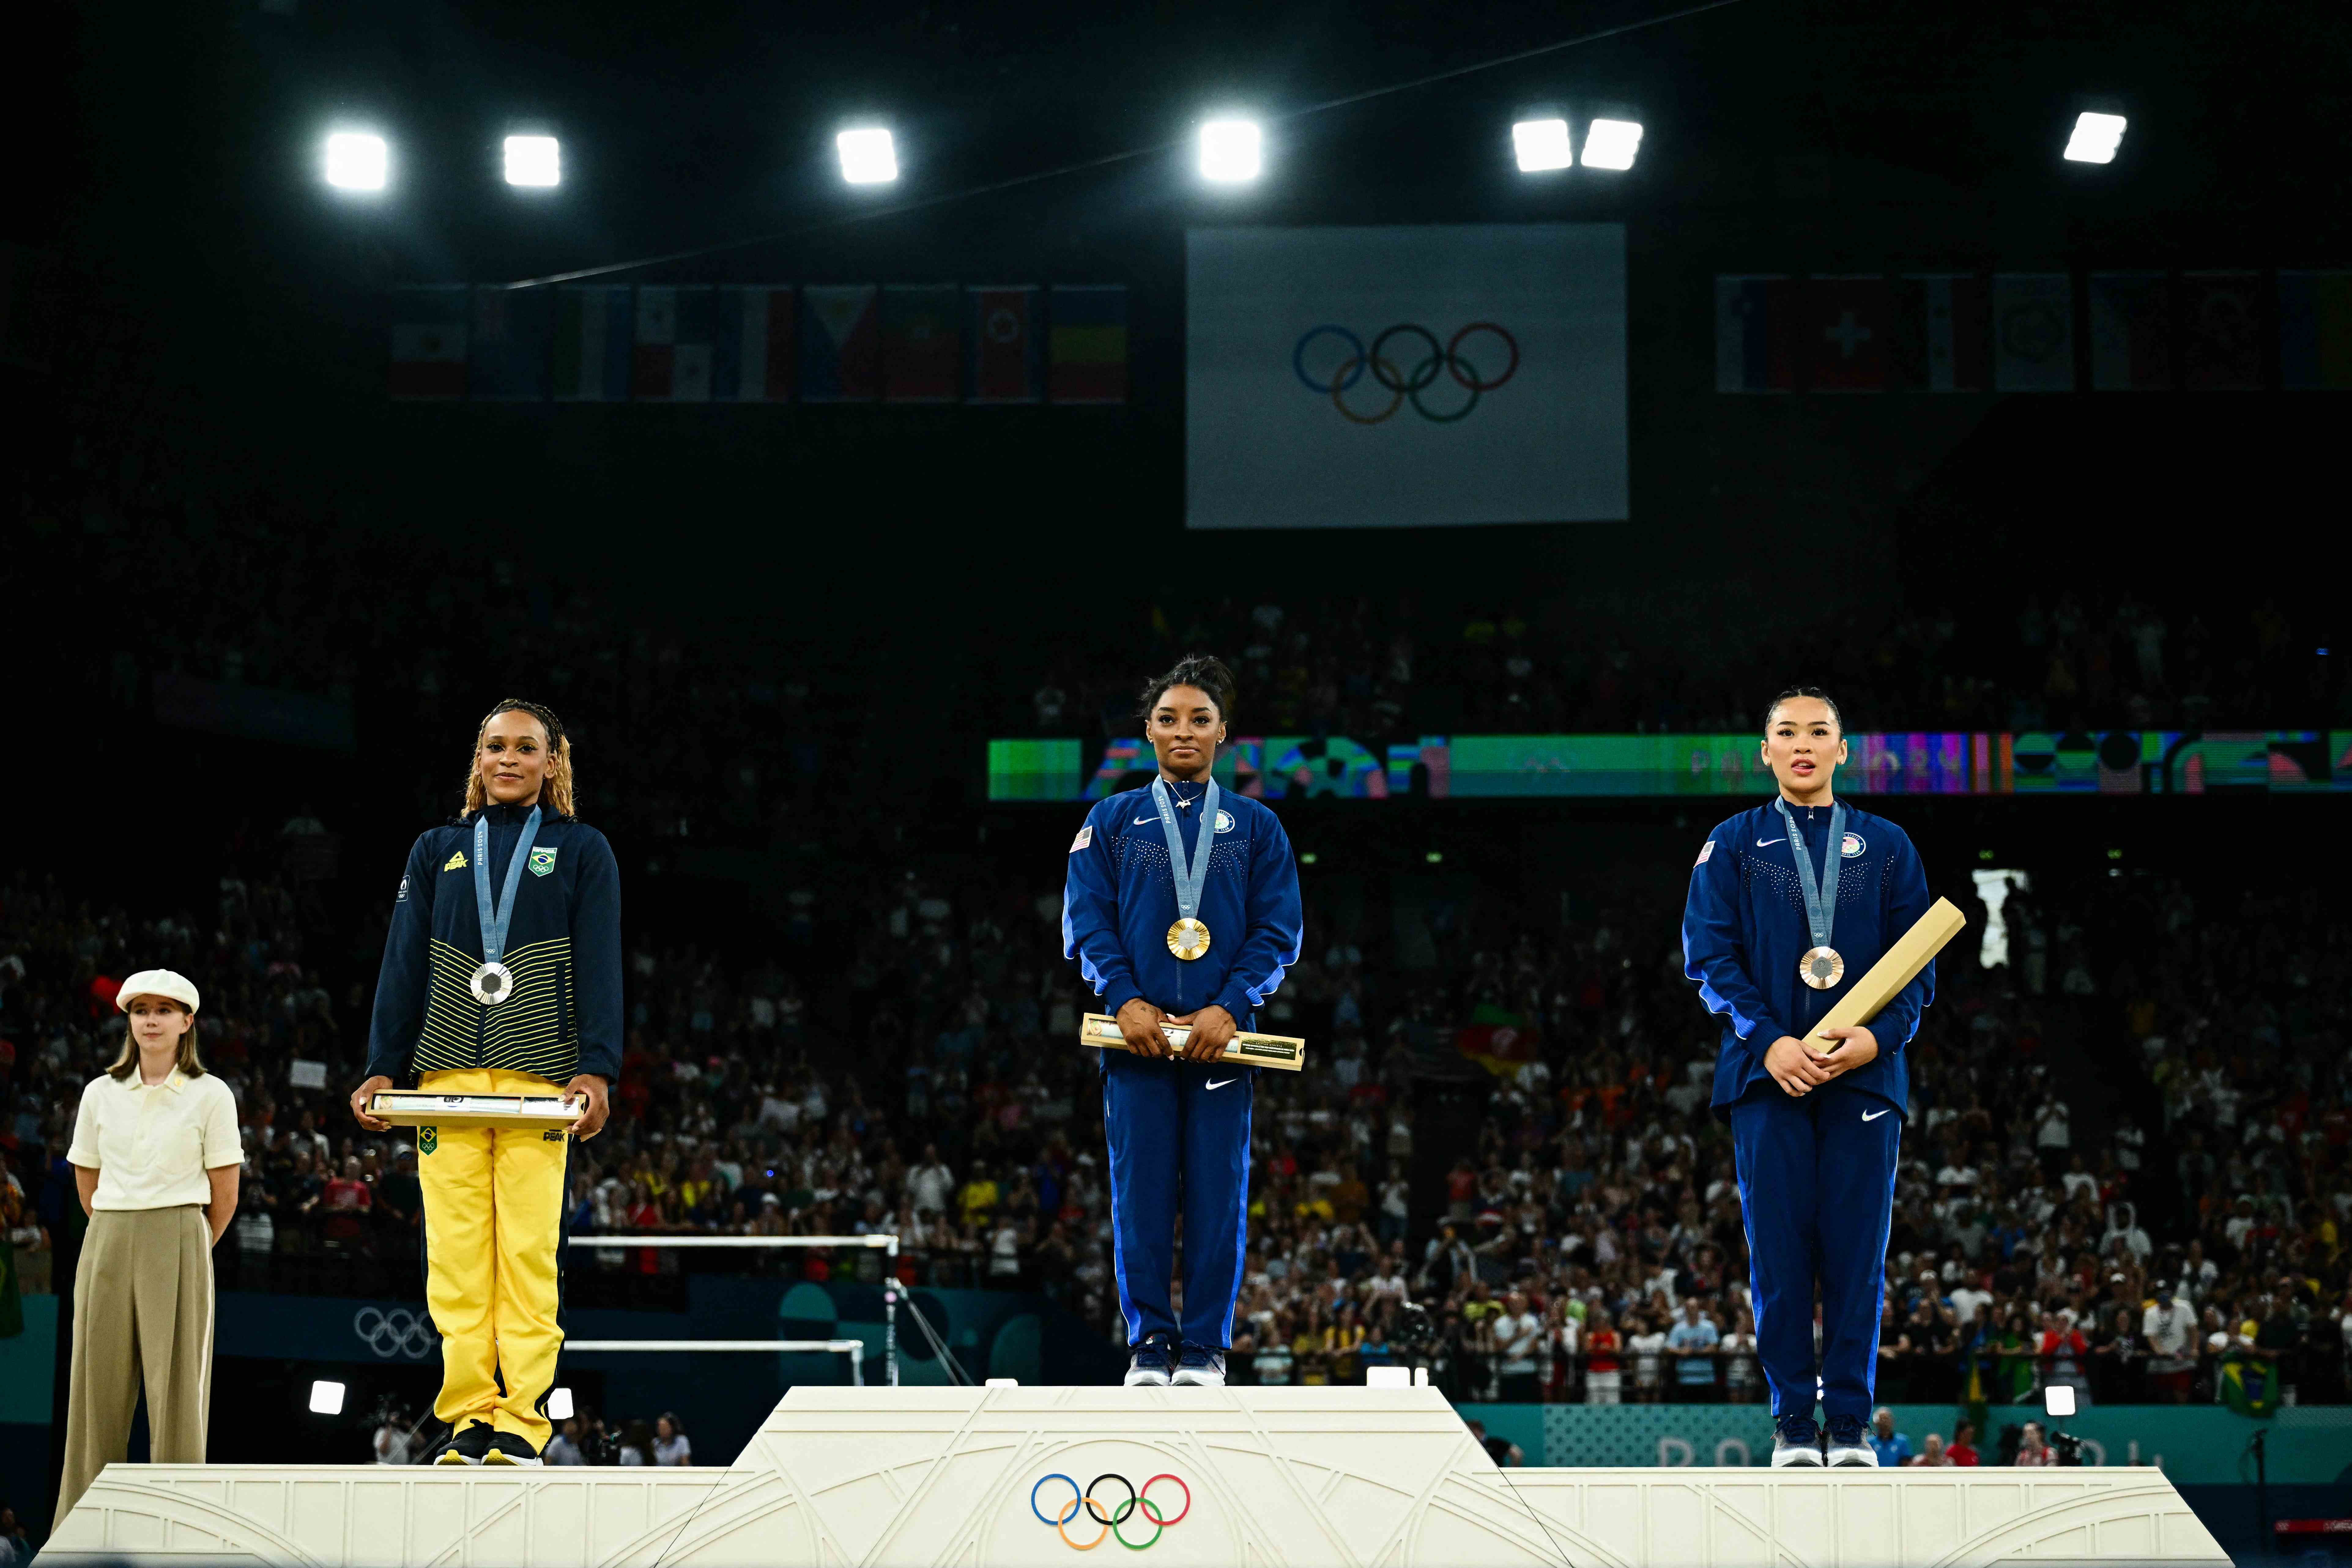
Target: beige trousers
[{"x": 142, "y": 1317}]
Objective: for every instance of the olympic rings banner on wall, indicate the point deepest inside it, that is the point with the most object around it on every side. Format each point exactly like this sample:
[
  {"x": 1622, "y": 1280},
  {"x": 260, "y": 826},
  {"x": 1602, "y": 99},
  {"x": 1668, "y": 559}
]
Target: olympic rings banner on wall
[{"x": 1402, "y": 377}]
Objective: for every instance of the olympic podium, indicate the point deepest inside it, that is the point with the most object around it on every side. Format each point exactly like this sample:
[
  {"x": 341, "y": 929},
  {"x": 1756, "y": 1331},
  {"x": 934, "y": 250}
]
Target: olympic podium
[{"x": 966, "y": 1478}]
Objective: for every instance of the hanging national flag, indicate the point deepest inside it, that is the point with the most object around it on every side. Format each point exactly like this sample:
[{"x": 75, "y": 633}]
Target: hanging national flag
[
  {"x": 840, "y": 343},
  {"x": 2033, "y": 332},
  {"x": 672, "y": 359},
  {"x": 1846, "y": 323},
  {"x": 1002, "y": 344},
  {"x": 919, "y": 356},
  {"x": 2131, "y": 331},
  {"x": 2315, "y": 330},
  {"x": 1755, "y": 334},
  {"x": 428, "y": 342},
  {"x": 751, "y": 351},
  {"x": 1088, "y": 345},
  {"x": 1936, "y": 340},
  {"x": 2220, "y": 331},
  {"x": 595, "y": 329},
  {"x": 507, "y": 350}
]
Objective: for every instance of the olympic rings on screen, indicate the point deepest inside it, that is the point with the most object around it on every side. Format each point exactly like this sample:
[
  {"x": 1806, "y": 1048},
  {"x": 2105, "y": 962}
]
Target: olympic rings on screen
[
  {"x": 398, "y": 1333},
  {"x": 1138, "y": 1501},
  {"x": 1439, "y": 359}
]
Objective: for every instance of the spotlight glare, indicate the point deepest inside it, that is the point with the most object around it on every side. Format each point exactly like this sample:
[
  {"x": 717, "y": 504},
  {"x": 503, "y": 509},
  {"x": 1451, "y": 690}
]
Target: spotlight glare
[
  {"x": 868, "y": 157},
  {"x": 326, "y": 1398},
  {"x": 1231, "y": 151},
  {"x": 1611, "y": 144},
  {"x": 532, "y": 160},
  {"x": 357, "y": 161},
  {"x": 2096, "y": 138},
  {"x": 558, "y": 1405},
  {"x": 1541, "y": 144}
]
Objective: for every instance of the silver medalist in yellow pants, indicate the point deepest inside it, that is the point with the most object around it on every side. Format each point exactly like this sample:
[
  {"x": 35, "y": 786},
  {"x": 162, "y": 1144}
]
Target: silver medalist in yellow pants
[{"x": 493, "y": 1226}]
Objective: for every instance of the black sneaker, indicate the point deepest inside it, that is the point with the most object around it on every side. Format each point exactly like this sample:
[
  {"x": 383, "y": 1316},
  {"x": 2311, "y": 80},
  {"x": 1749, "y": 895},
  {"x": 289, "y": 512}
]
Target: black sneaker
[
  {"x": 1154, "y": 1360},
  {"x": 506, "y": 1448},
  {"x": 1796, "y": 1441},
  {"x": 1850, "y": 1443},
  {"x": 1200, "y": 1368},
  {"x": 466, "y": 1447}
]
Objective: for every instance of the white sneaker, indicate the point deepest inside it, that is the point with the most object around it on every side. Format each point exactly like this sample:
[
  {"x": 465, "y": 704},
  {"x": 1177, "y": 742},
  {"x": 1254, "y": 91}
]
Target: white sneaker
[
  {"x": 1200, "y": 1369},
  {"x": 1850, "y": 1447},
  {"x": 1152, "y": 1362},
  {"x": 1796, "y": 1441}
]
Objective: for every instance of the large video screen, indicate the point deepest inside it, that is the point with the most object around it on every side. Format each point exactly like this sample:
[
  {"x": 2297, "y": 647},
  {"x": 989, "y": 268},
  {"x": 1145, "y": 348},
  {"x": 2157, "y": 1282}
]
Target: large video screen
[{"x": 1471, "y": 767}]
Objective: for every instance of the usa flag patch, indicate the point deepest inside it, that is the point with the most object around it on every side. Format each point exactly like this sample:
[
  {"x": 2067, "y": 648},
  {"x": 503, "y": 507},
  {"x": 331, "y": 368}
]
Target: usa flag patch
[
  {"x": 1704, "y": 850},
  {"x": 1085, "y": 836}
]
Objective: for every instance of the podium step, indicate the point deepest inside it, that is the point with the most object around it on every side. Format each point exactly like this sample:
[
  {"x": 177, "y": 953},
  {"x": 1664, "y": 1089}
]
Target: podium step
[{"x": 977, "y": 1477}]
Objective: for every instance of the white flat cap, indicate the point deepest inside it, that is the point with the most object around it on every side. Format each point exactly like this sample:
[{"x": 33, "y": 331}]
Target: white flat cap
[{"x": 166, "y": 983}]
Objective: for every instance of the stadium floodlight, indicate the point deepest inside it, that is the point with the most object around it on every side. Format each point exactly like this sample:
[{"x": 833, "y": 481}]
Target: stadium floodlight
[
  {"x": 2096, "y": 138},
  {"x": 326, "y": 1398},
  {"x": 1611, "y": 144},
  {"x": 868, "y": 157},
  {"x": 357, "y": 161},
  {"x": 533, "y": 160},
  {"x": 1231, "y": 150},
  {"x": 1541, "y": 144},
  {"x": 558, "y": 1405}
]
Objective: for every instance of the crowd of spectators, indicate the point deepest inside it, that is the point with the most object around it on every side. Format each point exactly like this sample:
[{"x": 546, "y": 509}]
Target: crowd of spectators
[
  {"x": 2050, "y": 661},
  {"x": 2127, "y": 1151},
  {"x": 2098, "y": 1188}
]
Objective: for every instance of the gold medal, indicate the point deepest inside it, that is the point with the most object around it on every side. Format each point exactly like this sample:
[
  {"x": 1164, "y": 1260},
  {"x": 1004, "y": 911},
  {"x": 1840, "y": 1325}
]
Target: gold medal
[
  {"x": 1821, "y": 968},
  {"x": 1188, "y": 939}
]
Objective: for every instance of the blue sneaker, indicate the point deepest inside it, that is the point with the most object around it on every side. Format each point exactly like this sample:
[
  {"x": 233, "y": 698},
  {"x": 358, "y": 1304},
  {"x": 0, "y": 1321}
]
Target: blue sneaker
[
  {"x": 1153, "y": 1360},
  {"x": 1201, "y": 1368},
  {"x": 1850, "y": 1443},
  {"x": 1796, "y": 1441}
]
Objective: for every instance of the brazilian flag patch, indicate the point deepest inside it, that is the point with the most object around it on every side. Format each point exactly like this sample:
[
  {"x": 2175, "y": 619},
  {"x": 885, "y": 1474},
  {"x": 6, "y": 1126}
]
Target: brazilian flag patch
[
  {"x": 427, "y": 1139},
  {"x": 542, "y": 861}
]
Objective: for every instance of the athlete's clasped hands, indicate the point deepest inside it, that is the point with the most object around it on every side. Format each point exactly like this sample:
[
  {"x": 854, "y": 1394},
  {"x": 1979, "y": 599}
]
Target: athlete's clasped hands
[
  {"x": 1800, "y": 1068},
  {"x": 1213, "y": 1028}
]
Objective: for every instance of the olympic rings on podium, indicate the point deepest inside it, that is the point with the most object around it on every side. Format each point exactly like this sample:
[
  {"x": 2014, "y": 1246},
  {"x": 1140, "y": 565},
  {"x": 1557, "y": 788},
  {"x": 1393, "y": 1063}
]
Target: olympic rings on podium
[
  {"x": 1445, "y": 358},
  {"x": 1083, "y": 1501}
]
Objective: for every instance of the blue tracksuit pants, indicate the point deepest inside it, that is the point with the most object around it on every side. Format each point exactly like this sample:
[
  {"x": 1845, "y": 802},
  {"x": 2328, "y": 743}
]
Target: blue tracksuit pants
[
  {"x": 1179, "y": 1142},
  {"x": 1817, "y": 1187}
]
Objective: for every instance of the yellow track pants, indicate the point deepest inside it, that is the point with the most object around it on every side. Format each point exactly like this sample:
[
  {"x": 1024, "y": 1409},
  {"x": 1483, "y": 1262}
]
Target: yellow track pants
[{"x": 493, "y": 1222}]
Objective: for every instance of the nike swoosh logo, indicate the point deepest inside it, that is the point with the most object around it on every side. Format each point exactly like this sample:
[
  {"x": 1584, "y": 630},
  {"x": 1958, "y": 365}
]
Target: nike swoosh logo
[
  {"x": 1875, "y": 1115},
  {"x": 1767, "y": 843},
  {"x": 1221, "y": 1082},
  {"x": 1143, "y": 822}
]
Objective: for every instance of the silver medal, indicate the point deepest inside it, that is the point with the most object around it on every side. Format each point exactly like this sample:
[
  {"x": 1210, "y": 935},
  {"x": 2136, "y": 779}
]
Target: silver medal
[{"x": 492, "y": 983}]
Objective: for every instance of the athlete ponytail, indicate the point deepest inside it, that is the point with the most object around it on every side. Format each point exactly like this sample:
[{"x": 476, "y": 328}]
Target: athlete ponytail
[{"x": 558, "y": 788}]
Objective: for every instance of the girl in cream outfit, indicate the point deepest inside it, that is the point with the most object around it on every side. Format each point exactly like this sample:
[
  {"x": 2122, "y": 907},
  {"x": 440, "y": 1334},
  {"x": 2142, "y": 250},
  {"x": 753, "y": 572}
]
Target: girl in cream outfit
[{"x": 156, "y": 1156}]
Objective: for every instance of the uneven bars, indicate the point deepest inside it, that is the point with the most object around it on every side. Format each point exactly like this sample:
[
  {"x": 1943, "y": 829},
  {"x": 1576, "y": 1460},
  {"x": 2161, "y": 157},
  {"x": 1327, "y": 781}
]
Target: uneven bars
[
  {"x": 887, "y": 1242},
  {"x": 854, "y": 1348}
]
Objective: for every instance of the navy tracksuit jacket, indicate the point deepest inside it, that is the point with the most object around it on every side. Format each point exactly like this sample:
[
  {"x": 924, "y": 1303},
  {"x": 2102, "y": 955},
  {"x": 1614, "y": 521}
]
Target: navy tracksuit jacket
[
  {"x": 564, "y": 945},
  {"x": 1180, "y": 1131},
  {"x": 1816, "y": 1173}
]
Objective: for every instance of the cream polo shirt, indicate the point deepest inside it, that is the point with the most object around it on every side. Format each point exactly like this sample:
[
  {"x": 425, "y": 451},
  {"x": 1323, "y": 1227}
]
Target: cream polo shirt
[{"x": 152, "y": 1146}]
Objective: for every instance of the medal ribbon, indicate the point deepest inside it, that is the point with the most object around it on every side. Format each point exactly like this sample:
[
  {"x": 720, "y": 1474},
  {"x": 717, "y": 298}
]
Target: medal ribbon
[
  {"x": 1192, "y": 874},
  {"x": 1821, "y": 912},
  {"x": 496, "y": 919}
]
